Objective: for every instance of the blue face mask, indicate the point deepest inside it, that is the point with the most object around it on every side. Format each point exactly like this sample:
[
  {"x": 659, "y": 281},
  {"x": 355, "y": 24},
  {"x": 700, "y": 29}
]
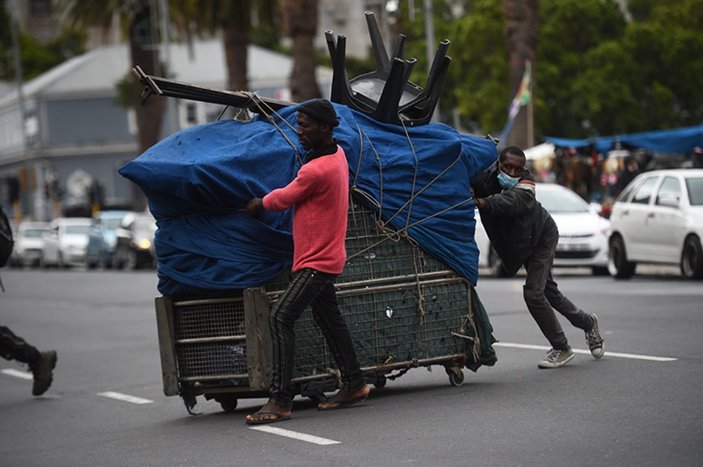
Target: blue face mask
[{"x": 505, "y": 181}]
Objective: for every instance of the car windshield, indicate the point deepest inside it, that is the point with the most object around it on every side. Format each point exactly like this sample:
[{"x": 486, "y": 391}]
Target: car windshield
[
  {"x": 77, "y": 229},
  {"x": 144, "y": 223},
  {"x": 32, "y": 233},
  {"x": 561, "y": 201},
  {"x": 695, "y": 191},
  {"x": 112, "y": 223}
]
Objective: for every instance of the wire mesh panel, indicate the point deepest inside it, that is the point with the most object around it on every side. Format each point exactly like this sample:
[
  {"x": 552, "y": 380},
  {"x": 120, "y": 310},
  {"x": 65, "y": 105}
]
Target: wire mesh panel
[
  {"x": 374, "y": 252},
  {"x": 403, "y": 322},
  {"x": 211, "y": 318},
  {"x": 212, "y": 359},
  {"x": 210, "y": 338}
]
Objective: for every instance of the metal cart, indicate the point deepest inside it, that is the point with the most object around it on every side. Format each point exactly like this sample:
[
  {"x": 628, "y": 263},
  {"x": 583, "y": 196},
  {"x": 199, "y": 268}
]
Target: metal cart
[{"x": 404, "y": 309}]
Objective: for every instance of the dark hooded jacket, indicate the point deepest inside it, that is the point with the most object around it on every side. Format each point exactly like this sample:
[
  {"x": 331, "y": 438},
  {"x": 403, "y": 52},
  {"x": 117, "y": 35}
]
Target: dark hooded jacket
[{"x": 514, "y": 220}]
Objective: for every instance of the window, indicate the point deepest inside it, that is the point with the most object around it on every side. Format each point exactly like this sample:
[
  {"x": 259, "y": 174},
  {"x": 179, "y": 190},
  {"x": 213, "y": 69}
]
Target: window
[
  {"x": 191, "y": 114},
  {"x": 40, "y": 7},
  {"x": 670, "y": 190},
  {"x": 625, "y": 195},
  {"x": 644, "y": 192},
  {"x": 695, "y": 191}
]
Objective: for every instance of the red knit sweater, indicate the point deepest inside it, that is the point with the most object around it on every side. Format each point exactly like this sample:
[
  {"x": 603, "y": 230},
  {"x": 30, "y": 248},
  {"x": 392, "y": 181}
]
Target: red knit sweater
[{"x": 319, "y": 195}]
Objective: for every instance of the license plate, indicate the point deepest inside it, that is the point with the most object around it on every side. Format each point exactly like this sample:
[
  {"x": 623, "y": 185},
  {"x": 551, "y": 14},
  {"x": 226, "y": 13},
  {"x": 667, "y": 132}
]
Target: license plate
[{"x": 572, "y": 246}]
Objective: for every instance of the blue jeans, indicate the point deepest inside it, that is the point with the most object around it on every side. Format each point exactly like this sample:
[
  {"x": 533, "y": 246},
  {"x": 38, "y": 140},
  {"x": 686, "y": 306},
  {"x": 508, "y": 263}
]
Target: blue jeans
[
  {"x": 309, "y": 287},
  {"x": 542, "y": 294}
]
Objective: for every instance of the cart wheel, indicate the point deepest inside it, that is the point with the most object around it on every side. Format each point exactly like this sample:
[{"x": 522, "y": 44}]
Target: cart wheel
[
  {"x": 380, "y": 381},
  {"x": 228, "y": 404},
  {"x": 456, "y": 376}
]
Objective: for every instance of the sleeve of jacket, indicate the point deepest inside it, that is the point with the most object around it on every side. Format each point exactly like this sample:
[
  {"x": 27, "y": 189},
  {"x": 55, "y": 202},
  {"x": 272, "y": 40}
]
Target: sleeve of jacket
[
  {"x": 519, "y": 200},
  {"x": 299, "y": 189}
]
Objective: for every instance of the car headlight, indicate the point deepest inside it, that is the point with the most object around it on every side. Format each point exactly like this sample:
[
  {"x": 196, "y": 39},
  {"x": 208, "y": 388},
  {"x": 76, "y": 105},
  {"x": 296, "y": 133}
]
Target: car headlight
[{"x": 144, "y": 244}]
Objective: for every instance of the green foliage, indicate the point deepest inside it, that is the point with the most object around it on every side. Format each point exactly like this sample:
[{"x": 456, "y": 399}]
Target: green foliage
[{"x": 596, "y": 73}]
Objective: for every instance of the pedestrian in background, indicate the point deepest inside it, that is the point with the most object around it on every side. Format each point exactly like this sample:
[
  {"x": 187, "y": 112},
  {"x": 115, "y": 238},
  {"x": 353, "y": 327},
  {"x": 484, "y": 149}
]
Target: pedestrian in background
[
  {"x": 13, "y": 347},
  {"x": 524, "y": 233}
]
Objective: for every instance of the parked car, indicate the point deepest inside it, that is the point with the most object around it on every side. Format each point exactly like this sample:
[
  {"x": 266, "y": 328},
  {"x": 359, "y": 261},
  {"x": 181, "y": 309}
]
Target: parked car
[
  {"x": 134, "y": 247},
  {"x": 66, "y": 241},
  {"x": 28, "y": 244},
  {"x": 658, "y": 218},
  {"x": 101, "y": 245},
  {"x": 583, "y": 234}
]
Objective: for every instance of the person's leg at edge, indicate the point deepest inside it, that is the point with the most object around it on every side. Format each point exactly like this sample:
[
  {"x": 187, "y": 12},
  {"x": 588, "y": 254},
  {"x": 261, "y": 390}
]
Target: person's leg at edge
[
  {"x": 13, "y": 347},
  {"x": 41, "y": 364},
  {"x": 302, "y": 290}
]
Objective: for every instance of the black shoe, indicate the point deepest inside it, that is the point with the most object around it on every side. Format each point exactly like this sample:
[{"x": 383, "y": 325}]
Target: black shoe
[{"x": 42, "y": 371}]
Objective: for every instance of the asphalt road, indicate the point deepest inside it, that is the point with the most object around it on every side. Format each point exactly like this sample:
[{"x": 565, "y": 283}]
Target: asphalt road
[{"x": 640, "y": 405}]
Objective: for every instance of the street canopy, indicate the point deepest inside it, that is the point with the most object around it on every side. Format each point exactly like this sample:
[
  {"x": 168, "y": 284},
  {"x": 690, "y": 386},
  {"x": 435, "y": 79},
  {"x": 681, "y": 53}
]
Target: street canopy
[{"x": 672, "y": 141}]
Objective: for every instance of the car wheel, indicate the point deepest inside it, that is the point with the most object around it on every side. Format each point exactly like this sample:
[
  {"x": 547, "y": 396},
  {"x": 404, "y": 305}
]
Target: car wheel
[
  {"x": 600, "y": 270},
  {"x": 692, "y": 258},
  {"x": 618, "y": 265}
]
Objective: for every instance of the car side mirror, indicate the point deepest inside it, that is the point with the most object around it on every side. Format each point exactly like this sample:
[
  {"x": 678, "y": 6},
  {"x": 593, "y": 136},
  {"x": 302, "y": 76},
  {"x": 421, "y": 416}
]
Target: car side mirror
[{"x": 668, "y": 201}]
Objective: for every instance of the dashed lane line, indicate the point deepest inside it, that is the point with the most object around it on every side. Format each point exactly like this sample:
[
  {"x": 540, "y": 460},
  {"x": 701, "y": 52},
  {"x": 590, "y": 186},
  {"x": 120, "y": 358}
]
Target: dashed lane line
[
  {"x": 295, "y": 435},
  {"x": 17, "y": 373},
  {"x": 632, "y": 356},
  {"x": 125, "y": 397}
]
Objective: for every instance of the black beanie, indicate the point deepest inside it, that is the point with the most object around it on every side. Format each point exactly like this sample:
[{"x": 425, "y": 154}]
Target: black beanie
[{"x": 321, "y": 110}]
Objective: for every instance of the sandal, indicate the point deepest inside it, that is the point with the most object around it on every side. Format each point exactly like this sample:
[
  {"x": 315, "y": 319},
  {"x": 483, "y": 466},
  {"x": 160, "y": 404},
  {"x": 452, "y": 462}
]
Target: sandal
[
  {"x": 344, "y": 398},
  {"x": 269, "y": 413}
]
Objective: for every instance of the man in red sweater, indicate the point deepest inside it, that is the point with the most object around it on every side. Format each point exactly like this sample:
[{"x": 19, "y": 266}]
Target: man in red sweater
[{"x": 319, "y": 196}]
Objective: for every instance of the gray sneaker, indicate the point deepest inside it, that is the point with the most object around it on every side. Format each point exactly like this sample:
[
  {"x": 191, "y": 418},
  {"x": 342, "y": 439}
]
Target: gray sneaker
[
  {"x": 556, "y": 358},
  {"x": 593, "y": 339}
]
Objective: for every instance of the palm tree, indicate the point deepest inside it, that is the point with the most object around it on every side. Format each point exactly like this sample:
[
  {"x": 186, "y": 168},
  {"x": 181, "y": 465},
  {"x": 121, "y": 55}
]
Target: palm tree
[
  {"x": 136, "y": 22},
  {"x": 233, "y": 18},
  {"x": 300, "y": 24},
  {"x": 521, "y": 29}
]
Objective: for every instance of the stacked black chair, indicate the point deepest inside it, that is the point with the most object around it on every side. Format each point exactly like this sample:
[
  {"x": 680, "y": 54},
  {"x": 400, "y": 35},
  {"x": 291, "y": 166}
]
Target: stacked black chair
[{"x": 386, "y": 94}]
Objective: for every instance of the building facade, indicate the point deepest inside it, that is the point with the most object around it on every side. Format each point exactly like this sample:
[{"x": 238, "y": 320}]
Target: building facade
[{"x": 63, "y": 136}]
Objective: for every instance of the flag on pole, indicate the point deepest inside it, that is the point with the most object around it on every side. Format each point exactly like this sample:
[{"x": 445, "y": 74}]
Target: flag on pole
[{"x": 522, "y": 98}]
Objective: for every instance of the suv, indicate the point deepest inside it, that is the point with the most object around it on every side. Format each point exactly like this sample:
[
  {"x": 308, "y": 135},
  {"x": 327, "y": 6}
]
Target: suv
[{"x": 658, "y": 218}]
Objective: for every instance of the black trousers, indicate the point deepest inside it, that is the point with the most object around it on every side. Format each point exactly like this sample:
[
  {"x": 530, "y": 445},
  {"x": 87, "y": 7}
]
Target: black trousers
[
  {"x": 309, "y": 287},
  {"x": 542, "y": 294},
  {"x": 13, "y": 347}
]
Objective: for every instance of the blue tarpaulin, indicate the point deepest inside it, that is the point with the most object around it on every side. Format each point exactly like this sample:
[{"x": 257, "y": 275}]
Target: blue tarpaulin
[
  {"x": 198, "y": 180},
  {"x": 673, "y": 141}
]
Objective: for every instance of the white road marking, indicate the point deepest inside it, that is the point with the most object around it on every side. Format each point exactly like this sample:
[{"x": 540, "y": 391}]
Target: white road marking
[
  {"x": 588, "y": 352},
  {"x": 295, "y": 435},
  {"x": 124, "y": 397},
  {"x": 17, "y": 373}
]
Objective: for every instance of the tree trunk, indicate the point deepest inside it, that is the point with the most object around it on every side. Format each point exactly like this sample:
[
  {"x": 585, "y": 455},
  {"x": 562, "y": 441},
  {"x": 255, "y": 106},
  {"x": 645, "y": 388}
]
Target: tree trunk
[
  {"x": 300, "y": 24},
  {"x": 236, "y": 30},
  {"x": 521, "y": 29},
  {"x": 150, "y": 115}
]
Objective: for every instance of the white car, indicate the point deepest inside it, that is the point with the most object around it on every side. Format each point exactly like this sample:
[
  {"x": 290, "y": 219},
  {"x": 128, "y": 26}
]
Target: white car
[
  {"x": 28, "y": 244},
  {"x": 583, "y": 234},
  {"x": 66, "y": 241},
  {"x": 658, "y": 218}
]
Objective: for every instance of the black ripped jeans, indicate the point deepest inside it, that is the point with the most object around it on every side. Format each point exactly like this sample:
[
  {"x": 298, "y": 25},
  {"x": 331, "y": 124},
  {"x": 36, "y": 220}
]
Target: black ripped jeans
[
  {"x": 542, "y": 295},
  {"x": 309, "y": 287}
]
